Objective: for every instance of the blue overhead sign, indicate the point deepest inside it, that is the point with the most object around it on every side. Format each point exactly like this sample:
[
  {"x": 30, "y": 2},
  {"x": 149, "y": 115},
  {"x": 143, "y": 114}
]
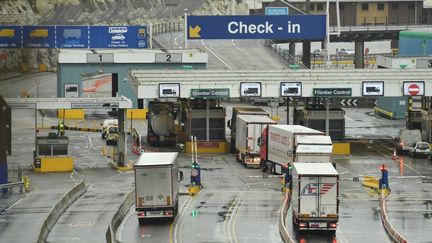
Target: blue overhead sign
[
  {"x": 118, "y": 37},
  {"x": 38, "y": 37},
  {"x": 73, "y": 37},
  {"x": 276, "y": 11},
  {"x": 10, "y": 37},
  {"x": 299, "y": 27}
]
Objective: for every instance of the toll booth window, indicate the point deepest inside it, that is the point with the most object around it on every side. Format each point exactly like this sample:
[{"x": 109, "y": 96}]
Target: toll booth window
[
  {"x": 60, "y": 149},
  {"x": 44, "y": 150}
]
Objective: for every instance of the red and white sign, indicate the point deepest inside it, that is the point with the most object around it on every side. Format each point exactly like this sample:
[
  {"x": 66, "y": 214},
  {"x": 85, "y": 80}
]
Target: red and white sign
[
  {"x": 366, "y": 51},
  {"x": 194, "y": 172},
  {"x": 413, "y": 88}
]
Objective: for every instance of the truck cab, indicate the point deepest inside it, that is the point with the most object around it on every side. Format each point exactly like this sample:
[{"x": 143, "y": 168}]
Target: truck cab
[{"x": 112, "y": 135}]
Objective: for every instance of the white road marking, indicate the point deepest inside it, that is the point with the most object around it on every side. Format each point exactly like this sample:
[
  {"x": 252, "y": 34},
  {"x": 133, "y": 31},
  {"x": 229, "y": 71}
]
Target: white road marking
[{"x": 214, "y": 54}]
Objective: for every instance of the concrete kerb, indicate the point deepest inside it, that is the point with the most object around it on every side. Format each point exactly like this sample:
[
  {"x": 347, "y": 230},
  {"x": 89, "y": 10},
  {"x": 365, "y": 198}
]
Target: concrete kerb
[
  {"x": 394, "y": 235},
  {"x": 66, "y": 200},
  {"x": 286, "y": 237},
  {"x": 119, "y": 216}
]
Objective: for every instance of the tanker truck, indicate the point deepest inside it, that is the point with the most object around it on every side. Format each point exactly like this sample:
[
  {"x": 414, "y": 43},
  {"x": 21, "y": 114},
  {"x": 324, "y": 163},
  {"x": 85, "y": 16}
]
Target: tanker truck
[{"x": 161, "y": 124}]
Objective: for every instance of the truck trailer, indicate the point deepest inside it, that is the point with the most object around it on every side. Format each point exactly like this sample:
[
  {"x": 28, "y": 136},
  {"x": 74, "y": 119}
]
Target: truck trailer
[
  {"x": 315, "y": 197},
  {"x": 248, "y": 131},
  {"x": 161, "y": 118},
  {"x": 284, "y": 144},
  {"x": 156, "y": 186},
  {"x": 231, "y": 124}
]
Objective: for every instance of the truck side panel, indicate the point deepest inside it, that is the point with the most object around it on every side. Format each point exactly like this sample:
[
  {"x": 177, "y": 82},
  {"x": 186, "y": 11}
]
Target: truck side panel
[
  {"x": 153, "y": 187},
  {"x": 278, "y": 146},
  {"x": 241, "y": 136},
  {"x": 308, "y": 189},
  {"x": 328, "y": 190}
]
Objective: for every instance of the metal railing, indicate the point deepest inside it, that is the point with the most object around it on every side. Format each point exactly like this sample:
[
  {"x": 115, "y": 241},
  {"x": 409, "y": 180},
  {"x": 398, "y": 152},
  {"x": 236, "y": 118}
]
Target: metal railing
[{"x": 284, "y": 54}]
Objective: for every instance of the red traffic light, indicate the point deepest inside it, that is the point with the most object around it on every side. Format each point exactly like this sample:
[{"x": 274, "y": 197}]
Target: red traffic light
[{"x": 383, "y": 168}]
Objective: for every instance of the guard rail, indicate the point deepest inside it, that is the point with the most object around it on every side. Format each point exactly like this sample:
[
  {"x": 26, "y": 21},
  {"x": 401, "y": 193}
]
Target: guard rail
[
  {"x": 391, "y": 231},
  {"x": 283, "y": 53},
  {"x": 119, "y": 216},
  {"x": 286, "y": 237}
]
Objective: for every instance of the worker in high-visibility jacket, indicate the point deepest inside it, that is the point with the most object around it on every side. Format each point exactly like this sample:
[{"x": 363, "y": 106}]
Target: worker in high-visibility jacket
[{"x": 61, "y": 129}]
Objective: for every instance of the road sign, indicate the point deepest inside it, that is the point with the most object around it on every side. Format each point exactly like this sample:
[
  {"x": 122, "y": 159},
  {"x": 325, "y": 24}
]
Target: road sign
[
  {"x": 300, "y": 27},
  {"x": 209, "y": 93},
  {"x": 118, "y": 37},
  {"x": 291, "y": 89},
  {"x": 10, "y": 36},
  {"x": 168, "y": 58},
  {"x": 194, "y": 172},
  {"x": 413, "y": 88},
  {"x": 169, "y": 90},
  {"x": 366, "y": 51},
  {"x": 424, "y": 63},
  {"x": 95, "y": 105},
  {"x": 373, "y": 88},
  {"x": 72, "y": 36},
  {"x": 100, "y": 58},
  {"x": 276, "y": 11},
  {"x": 38, "y": 37},
  {"x": 331, "y": 92},
  {"x": 252, "y": 89},
  {"x": 348, "y": 102}
]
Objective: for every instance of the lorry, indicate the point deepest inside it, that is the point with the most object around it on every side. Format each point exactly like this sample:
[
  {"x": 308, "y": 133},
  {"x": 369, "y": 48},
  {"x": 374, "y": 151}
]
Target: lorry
[
  {"x": 281, "y": 145},
  {"x": 106, "y": 124},
  {"x": 156, "y": 186},
  {"x": 315, "y": 197},
  {"x": 231, "y": 124},
  {"x": 407, "y": 140},
  {"x": 161, "y": 123},
  {"x": 112, "y": 135},
  {"x": 248, "y": 131}
]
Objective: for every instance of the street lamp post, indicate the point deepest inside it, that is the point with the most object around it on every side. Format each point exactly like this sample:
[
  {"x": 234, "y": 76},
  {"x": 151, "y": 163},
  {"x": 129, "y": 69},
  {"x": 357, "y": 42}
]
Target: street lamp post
[{"x": 171, "y": 4}]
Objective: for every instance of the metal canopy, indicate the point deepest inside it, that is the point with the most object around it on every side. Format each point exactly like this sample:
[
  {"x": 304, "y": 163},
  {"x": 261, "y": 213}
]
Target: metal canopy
[
  {"x": 69, "y": 103},
  {"x": 146, "y": 82}
]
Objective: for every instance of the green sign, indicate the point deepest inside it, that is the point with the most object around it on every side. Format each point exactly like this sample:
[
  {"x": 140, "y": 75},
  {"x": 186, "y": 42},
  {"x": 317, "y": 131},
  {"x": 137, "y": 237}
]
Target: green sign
[
  {"x": 324, "y": 92},
  {"x": 209, "y": 93}
]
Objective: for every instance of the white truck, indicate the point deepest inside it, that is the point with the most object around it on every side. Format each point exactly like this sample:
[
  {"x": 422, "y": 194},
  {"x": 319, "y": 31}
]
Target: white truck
[
  {"x": 156, "y": 186},
  {"x": 248, "y": 130},
  {"x": 315, "y": 197},
  {"x": 284, "y": 144},
  {"x": 407, "y": 140}
]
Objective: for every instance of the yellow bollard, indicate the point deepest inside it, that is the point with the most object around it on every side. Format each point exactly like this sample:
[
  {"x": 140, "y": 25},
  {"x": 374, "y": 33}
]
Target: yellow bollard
[{"x": 103, "y": 151}]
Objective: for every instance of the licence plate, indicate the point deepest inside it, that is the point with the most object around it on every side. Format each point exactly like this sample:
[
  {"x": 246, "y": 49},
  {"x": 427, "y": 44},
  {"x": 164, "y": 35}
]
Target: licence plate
[
  {"x": 317, "y": 225},
  {"x": 154, "y": 212}
]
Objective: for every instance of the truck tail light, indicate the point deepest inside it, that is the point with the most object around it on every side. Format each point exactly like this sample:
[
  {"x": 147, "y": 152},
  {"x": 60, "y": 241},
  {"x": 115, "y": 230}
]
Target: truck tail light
[
  {"x": 141, "y": 214},
  {"x": 333, "y": 225},
  {"x": 249, "y": 159},
  {"x": 168, "y": 212},
  {"x": 302, "y": 225}
]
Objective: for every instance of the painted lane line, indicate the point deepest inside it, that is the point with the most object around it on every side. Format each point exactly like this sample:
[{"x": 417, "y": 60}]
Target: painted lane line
[
  {"x": 179, "y": 221},
  {"x": 234, "y": 221},
  {"x": 214, "y": 54}
]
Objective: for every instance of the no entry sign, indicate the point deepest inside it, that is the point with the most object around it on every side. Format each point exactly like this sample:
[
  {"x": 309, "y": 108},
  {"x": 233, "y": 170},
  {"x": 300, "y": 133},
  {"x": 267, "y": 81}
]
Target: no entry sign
[{"x": 413, "y": 88}]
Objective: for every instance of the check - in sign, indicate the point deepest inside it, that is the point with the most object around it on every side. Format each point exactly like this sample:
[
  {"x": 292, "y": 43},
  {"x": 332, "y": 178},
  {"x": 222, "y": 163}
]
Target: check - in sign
[{"x": 304, "y": 27}]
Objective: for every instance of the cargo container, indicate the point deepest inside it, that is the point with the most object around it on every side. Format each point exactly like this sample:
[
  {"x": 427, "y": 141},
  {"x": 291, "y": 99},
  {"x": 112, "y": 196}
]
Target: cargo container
[
  {"x": 315, "y": 197},
  {"x": 156, "y": 186}
]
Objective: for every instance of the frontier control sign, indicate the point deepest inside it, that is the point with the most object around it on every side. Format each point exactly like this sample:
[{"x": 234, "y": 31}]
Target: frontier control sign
[
  {"x": 304, "y": 27},
  {"x": 209, "y": 93},
  {"x": 331, "y": 92}
]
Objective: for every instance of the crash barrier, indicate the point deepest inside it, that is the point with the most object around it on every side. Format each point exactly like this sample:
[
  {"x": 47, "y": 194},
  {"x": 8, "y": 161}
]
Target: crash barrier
[
  {"x": 283, "y": 53},
  {"x": 382, "y": 112},
  {"x": 58, "y": 210},
  {"x": 286, "y": 237},
  {"x": 370, "y": 181},
  {"x": 70, "y": 114},
  {"x": 82, "y": 129},
  {"x": 118, "y": 217},
  {"x": 394, "y": 235}
]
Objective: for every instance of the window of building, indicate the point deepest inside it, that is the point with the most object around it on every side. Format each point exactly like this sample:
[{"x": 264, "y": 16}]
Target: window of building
[
  {"x": 395, "y": 6},
  {"x": 320, "y": 6},
  {"x": 380, "y": 6},
  {"x": 341, "y": 6},
  {"x": 411, "y": 5},
  {"x": 365, "y": 6},
  {"x": 312, "y": 7}
]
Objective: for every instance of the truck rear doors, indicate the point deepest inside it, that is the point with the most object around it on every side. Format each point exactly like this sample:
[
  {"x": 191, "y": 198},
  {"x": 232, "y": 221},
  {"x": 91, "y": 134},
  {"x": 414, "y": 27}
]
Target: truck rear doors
[{"x": 318, "y": 198}]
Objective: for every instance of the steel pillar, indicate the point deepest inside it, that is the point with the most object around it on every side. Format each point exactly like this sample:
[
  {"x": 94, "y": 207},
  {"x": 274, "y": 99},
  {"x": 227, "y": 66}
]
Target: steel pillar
[{"x": 358, "y": 56}]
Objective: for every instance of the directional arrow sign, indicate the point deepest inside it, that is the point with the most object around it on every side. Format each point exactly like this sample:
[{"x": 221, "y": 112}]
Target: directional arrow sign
[{"x": 300, "y": 27}]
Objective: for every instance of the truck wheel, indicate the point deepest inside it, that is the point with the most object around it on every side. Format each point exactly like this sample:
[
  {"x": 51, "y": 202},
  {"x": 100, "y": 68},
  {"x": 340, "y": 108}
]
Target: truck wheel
[{"x": 237, "y": 155}]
